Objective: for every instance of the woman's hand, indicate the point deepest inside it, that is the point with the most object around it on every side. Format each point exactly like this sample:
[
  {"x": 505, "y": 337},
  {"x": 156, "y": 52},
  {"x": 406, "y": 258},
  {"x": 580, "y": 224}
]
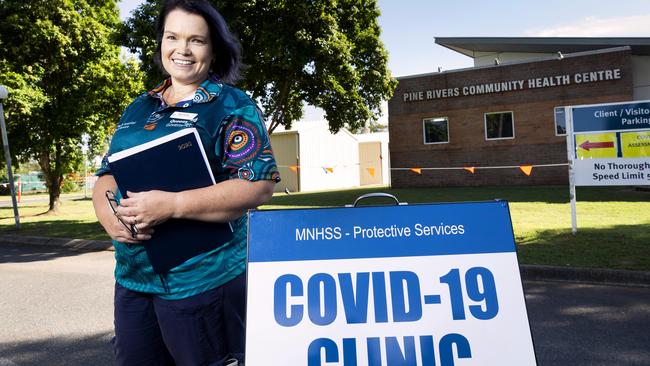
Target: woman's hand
[
  {"x": 116, "y": 227},
  {"x": 118, "y": 231},
  {"x": 146, "y": 209},
  {"x": 221, "y": 202}
]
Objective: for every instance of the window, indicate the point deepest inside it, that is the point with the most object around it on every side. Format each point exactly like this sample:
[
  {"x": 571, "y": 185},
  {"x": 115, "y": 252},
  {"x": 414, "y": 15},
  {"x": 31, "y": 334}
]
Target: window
[
  {"x": 436, "y": 130},
  {"x": 560, "y": 122},
  {"x": 499, "y": 125}
]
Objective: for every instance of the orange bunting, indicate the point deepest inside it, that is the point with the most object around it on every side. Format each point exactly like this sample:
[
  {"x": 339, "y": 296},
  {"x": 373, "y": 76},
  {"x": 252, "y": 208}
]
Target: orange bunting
[
  {"x": 328, "y": 170},
  {"x": 417, "y": 170},
  {"x": 470, "y": 169},
  {"x": 371, "y": 171},
  {"x": 294, "y": 168},
  {"x": 527, "y": 169}
]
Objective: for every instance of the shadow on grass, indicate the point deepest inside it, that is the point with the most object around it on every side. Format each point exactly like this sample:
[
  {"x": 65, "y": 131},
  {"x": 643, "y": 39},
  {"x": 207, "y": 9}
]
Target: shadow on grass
[
  {"x": 46, "y": 213},
  {"x": 576, "y": 324},
  {"x": 22, "y": 216},
  {"x": 81, "y": 199},
  {"x": 618, "y": 247},
  {"x": 73, "y": 229},
  {"x": 93, "y": 350},
  {"x": 553, "y": 194}
]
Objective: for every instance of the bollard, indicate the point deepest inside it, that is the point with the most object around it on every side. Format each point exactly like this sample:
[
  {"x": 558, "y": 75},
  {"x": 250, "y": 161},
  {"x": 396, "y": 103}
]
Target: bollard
[{"x": 20, "y": 190}]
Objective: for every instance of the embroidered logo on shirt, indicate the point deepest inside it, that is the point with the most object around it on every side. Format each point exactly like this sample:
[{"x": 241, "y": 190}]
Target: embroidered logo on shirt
[
  {"x": 124, "y": 125},
  {"x": 152, "y": 121},
  {"x": 150, "y": 126},
  {"x": 178, "y": 123}
]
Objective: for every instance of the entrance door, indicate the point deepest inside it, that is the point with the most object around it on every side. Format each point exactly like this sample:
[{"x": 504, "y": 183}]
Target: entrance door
[{"x": 370, "y": 163}]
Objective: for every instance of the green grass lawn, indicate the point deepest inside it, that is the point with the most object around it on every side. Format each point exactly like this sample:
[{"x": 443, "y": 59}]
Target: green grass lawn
[{"x": 613, "y": 222}]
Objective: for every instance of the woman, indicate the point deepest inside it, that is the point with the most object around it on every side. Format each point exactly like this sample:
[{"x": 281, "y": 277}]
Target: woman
[{"x": 195, "y": 316}]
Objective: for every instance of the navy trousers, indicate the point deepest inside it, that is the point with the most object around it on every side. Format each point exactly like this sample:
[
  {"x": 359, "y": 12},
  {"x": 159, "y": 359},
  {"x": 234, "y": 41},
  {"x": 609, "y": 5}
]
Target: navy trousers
[{"x": 205, "y": 329}]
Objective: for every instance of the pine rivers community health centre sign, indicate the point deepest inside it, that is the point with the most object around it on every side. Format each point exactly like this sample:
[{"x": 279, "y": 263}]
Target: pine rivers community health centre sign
[
  {"x": 386, "y": 286},
  {"x": 610, "y": 143},
  {"x": 513, "y": 85}
]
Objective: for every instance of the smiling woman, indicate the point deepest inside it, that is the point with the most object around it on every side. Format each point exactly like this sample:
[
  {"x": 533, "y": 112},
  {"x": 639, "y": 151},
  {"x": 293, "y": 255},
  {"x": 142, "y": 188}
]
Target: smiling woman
[
  {"x": 186, "y": 53},
  {"x": 192, "y": 314}
]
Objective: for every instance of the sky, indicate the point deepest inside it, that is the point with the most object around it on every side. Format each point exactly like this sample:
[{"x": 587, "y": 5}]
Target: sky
[{"x": 410, "y": 26}]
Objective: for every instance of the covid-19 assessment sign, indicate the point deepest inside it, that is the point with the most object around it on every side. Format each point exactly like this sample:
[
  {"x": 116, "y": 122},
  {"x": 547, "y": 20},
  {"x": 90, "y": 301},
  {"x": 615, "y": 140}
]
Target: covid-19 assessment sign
[
  {"x": 609, "y": 144},
  {"x": 386, "y": 286}
]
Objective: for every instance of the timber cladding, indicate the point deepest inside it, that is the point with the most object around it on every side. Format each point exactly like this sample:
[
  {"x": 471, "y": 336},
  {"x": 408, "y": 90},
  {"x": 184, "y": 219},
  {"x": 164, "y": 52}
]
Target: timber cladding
[{"x": 530, "y": 91}]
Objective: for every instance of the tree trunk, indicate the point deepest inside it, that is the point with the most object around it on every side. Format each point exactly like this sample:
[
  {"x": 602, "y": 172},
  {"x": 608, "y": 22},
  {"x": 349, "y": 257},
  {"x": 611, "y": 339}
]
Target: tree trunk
[
  {"x": 274, "y": 124},
  {"x": 53, "y": 178},
  {"x": 55, "y": 197},
  {"x": 278, "y": 116}
]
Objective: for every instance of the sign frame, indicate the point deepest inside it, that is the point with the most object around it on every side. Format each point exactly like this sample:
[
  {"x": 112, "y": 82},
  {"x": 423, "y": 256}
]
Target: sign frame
[
  {"x": 575, "y": 164},
  {"x": 255, "y": 273}
]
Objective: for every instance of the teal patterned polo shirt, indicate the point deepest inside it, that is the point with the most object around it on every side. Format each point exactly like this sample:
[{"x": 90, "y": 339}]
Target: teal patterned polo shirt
[{"x": 235, "y": 140}]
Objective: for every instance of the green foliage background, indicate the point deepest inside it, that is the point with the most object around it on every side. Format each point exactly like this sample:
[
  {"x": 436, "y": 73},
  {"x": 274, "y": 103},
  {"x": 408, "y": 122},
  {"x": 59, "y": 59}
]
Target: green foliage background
[
  {"x": 326, "y": 53},
  {"x": 61, "y": 63}
]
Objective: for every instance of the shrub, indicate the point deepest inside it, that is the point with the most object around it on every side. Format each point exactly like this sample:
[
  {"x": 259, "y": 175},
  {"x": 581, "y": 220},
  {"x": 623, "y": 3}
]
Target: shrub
[{"x": 69, "y": 186}]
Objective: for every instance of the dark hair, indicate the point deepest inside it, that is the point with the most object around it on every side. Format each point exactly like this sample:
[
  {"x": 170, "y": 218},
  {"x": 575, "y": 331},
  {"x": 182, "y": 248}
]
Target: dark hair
[{"x": 226, "y": 49}]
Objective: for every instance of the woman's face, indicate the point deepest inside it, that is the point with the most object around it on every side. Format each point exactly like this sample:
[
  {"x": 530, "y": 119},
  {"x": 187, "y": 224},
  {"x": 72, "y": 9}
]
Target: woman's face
[{"x": 186, "y": 48}]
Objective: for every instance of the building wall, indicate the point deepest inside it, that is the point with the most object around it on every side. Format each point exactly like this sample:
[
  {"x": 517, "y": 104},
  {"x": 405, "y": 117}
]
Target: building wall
[
  {"x": 535, "y": 140},
  {"x": 320, "y": 149},
  {"x": 641, "y": 83},
  {"x": 487, "y": 58},
  {"x": 640, "y": 67}
]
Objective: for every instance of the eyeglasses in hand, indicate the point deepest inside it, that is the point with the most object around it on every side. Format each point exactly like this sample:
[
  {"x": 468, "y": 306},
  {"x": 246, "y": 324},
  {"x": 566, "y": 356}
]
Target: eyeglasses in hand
[{"x": 112, "y": 202}]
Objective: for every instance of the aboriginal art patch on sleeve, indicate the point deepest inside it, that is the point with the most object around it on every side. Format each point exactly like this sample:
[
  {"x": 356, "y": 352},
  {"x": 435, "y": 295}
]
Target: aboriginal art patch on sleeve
[{"x": 247, "y": 149}]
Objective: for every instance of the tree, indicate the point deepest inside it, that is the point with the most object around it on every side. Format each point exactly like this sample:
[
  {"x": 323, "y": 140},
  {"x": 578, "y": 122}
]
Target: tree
[
  {"x": 326, "y": 53},
  {"x": 61, "y": 62}
]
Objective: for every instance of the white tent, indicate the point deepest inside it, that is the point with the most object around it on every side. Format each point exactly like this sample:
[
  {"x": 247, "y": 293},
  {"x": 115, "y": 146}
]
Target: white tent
[{"x": 311, "y": 158}]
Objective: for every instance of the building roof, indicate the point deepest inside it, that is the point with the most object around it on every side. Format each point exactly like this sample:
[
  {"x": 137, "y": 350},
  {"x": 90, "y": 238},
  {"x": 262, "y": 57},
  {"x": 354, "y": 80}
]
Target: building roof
[
  {"x": 469, "y": 46},
  {"x": 315, "y": 126}
]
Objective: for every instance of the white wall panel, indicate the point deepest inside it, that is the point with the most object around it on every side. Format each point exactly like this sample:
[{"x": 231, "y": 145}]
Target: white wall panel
[{"x": 319, "y": 149}]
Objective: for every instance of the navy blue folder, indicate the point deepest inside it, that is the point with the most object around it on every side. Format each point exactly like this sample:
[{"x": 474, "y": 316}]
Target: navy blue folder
[{"x": 173, "y": 163}]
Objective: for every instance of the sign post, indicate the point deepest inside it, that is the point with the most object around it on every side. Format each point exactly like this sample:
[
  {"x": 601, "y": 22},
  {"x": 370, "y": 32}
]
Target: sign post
[
  {"x": 5, "y": 143},
  {"x": 607, "y": 144},
  {"x": 409, "y": 285}
]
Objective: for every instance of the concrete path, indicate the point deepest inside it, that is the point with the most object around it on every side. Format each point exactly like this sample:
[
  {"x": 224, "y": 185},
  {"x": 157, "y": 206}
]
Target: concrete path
[{"x": 56, "y": 309}]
